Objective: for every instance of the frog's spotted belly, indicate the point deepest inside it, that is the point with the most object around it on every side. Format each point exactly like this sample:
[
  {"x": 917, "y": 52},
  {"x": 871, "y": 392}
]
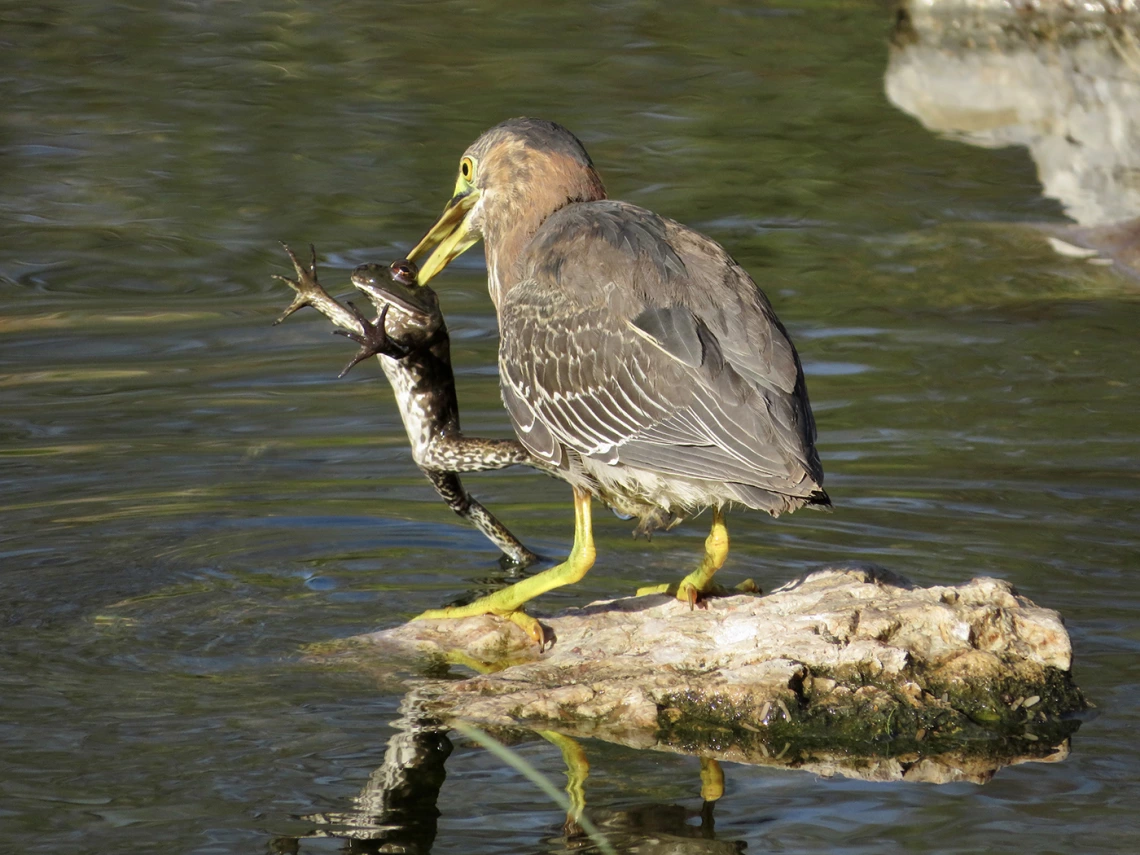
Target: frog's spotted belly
[{"x": 429, "y": 411}]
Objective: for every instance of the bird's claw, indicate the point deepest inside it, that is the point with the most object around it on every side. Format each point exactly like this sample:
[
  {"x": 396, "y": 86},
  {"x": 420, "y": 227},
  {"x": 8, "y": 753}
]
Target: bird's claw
[
  {"x": 373, "y": 339},
  {"x": 686, "y": 593},
  {"x": 307, "y": 286},
  {"x": 533, "y": 628},
  {"x": 518, "y": 617},
  {"x": 689, "y": 594}
]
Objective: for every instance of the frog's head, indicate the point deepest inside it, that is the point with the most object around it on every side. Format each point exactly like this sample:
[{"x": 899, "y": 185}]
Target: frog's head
[{"x": 412, "y": 307}]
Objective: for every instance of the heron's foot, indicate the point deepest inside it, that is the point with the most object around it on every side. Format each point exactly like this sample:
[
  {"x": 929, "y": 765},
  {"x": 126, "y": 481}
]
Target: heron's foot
[
  {"x": 699, "y": 584},
  {"x": 308, "y": 287},
  {"x": 480, "y": 607},
  {"x": 687, "y": 592},
  {"x": 508, "y": 602},
  {"x": 373, "y": 339},
  {"x": 684, "y": 591}
]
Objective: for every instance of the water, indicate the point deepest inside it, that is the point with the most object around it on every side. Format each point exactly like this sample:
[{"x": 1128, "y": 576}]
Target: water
[{"x": 188, "y": 496}]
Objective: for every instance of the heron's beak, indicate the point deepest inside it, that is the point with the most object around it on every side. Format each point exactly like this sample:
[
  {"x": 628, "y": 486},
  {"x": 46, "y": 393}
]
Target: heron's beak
[{"x": 452, "y": 234}]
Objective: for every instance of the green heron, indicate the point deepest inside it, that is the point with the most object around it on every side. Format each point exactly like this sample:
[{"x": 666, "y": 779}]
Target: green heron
[{"x": 637, "y": 360}]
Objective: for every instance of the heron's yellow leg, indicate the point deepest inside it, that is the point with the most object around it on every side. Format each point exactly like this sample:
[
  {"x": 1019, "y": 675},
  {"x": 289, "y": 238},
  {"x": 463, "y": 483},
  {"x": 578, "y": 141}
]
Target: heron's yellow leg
[
  {"x": 509, "y": 601},
  {"x": 712, "y": 779},
  {"x": 689, "y": 589},
  {"x": 577, "y": 770}
]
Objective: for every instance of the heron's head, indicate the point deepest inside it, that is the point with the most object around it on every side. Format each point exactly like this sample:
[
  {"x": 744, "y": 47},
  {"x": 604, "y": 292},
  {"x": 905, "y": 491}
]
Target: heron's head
[{"x": 510, "y": 180}]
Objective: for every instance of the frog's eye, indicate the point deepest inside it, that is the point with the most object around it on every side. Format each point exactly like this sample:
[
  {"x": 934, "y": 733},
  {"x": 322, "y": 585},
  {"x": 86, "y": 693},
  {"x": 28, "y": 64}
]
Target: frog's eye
[{"x": 467, "y": 169}]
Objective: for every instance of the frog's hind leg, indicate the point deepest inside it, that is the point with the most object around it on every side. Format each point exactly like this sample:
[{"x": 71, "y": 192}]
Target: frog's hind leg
[{"x": 450, "y": 489}]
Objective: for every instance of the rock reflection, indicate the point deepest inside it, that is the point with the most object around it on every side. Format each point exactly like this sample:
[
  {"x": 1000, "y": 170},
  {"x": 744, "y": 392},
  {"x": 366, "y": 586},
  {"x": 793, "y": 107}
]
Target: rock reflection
[
  {"x": 397, "y": 810},
  {"x": 1066, "y": 89},
  {"x": 941, "y": 685}
]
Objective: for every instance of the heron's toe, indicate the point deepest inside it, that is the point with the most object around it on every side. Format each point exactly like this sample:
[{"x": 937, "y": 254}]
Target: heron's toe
[
  {"x": 691, "y": 595},
  {"x": 436, "y": 614},
  {"x": 529, "y": 625},
  {"x": 687, "y": 592}
]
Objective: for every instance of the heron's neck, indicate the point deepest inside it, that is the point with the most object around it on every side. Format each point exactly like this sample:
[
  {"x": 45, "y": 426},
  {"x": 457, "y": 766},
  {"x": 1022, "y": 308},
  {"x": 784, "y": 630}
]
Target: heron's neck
[
  {"x": 503, "y": 253},
  {"x": 508, "y": 231}
]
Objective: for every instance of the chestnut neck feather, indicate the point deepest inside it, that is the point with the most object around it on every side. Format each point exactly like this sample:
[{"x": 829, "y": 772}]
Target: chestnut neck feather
[{"x": 524, "y": 189}]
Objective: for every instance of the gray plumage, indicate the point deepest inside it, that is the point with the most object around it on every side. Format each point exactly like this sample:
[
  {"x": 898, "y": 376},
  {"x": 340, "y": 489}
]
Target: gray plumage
[{"x": 638, "y": 357}]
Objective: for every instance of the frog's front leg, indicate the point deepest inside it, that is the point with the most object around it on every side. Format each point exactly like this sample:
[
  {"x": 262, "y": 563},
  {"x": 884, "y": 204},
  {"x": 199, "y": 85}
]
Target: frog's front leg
[
  {"x": 373, "y": 339},
  {"x": 310, "y": 292}
]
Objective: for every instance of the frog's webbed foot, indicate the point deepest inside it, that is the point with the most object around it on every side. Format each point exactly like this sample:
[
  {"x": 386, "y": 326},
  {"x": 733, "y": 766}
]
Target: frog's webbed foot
[
  {"x": 308, "y": 288},
  {"x": 373, "y": 339}
]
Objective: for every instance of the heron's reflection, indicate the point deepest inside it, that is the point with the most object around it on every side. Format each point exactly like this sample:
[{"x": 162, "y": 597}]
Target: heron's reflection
[{"x": 397, "y": 810}]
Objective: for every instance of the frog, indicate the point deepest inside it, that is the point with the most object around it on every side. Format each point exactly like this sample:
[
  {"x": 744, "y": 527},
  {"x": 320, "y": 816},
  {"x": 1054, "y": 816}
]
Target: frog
[{"x": 410, "y": 339}]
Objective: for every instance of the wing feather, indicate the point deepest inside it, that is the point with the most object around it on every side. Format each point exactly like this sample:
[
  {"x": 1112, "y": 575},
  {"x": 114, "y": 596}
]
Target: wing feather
[{"x": 656, "y": 365}]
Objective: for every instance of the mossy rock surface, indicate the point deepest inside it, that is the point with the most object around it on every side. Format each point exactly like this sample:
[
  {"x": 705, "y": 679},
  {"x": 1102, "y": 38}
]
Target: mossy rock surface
[{"x": 852, "y": 669}]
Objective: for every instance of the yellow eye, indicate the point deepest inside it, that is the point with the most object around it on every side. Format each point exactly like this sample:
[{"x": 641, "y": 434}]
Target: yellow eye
[{"x": 467, "y": 169}]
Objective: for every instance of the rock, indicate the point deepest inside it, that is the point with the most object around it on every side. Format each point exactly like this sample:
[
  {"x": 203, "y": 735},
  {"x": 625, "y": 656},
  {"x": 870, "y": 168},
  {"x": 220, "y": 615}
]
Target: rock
[
  {"x": 847, "y": 664},
  {"x": 970, "y": 10},
  {"x": 1061, "y": 79}
]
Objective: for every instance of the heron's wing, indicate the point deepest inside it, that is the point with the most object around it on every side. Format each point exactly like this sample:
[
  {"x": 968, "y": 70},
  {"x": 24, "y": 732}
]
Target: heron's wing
[
  {"x": 737, "y": 312},
  {"x": 578, "y": 377},
  {"x": 751, "y": 338},
  {"x": 636, "y": 340},
  {"x": 588, "y": 380}
]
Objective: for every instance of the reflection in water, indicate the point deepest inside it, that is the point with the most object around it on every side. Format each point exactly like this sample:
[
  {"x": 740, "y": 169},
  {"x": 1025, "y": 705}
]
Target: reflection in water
[
  {"x": 1069, "y": 93},
  {"x": 397, "y": 810}
]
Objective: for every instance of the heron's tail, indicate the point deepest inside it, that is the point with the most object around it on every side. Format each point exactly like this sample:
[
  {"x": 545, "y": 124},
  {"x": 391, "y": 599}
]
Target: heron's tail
[{"x": 819, "y": 501}]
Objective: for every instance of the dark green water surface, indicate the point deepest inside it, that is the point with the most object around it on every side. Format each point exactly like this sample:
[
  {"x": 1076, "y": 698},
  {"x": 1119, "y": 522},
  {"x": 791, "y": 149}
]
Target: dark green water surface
[{"x": 188, "y": 496}]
